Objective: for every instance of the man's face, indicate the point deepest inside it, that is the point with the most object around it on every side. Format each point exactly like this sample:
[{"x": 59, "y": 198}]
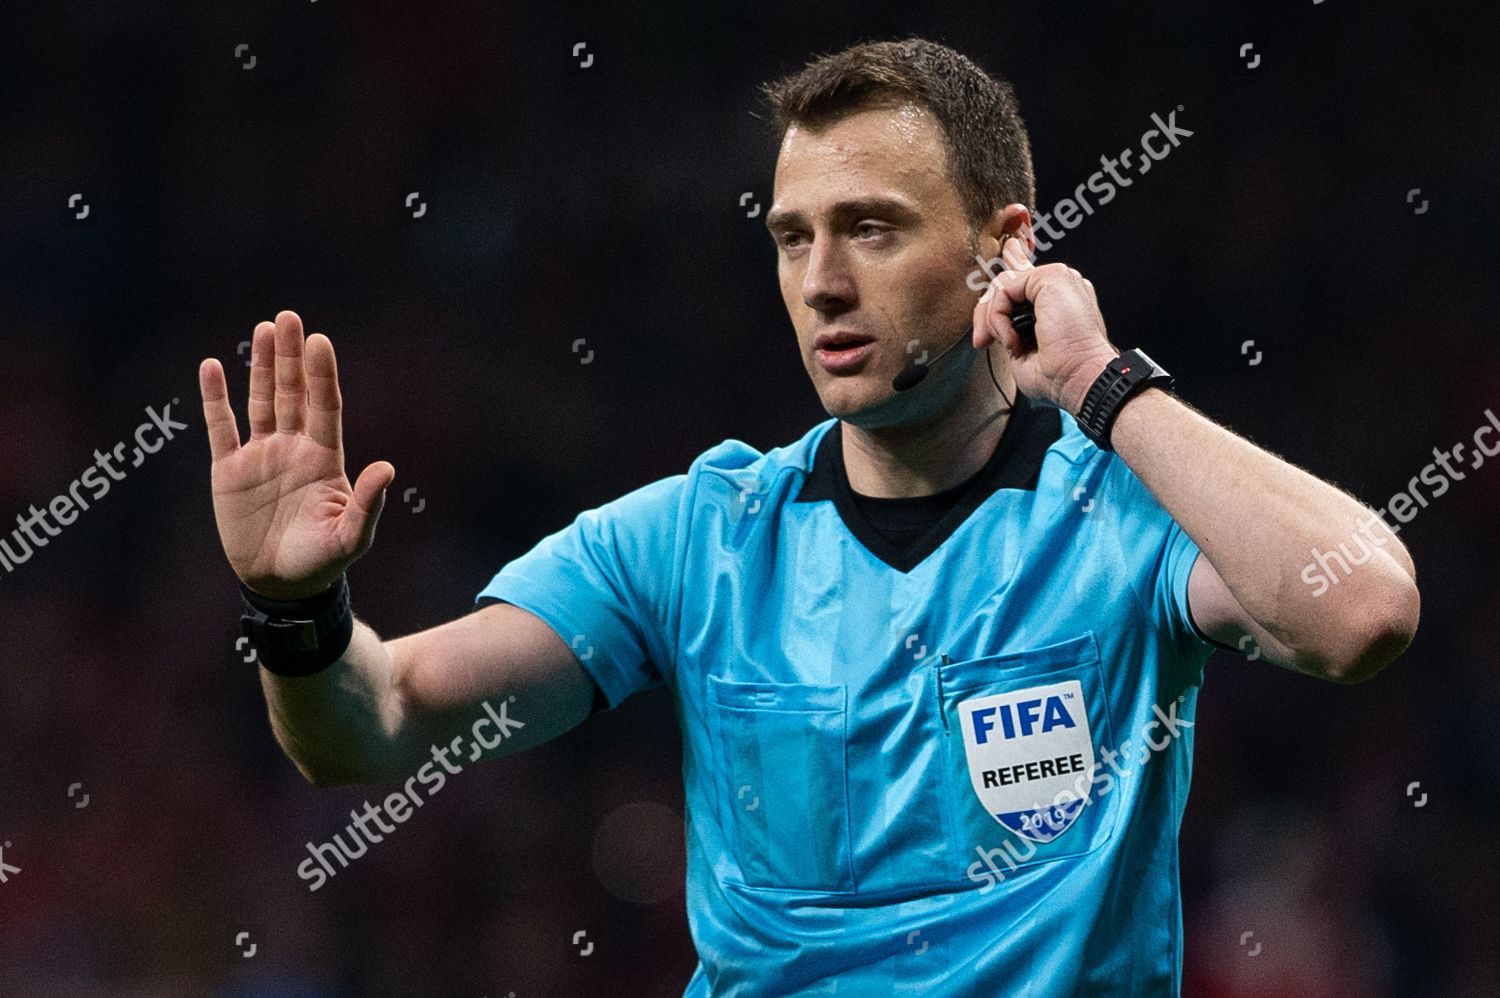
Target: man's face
[{"x": 872, "y": 246}]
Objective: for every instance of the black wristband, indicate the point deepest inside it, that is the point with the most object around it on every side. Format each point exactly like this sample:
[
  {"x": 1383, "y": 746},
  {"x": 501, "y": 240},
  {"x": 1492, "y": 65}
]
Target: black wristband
[{"x": 299, "y": 637}]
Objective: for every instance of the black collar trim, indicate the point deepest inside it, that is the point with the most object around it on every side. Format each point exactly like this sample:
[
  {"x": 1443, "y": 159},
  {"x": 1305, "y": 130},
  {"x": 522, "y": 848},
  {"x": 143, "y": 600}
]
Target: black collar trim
[{"x": 1016, "y": 464}]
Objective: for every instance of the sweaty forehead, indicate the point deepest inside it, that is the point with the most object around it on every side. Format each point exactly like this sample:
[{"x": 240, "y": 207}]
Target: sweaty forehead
[{"x": 899, "y": 148}]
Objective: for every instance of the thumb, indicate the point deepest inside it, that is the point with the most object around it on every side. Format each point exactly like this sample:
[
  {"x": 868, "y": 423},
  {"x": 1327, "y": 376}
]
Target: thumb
[{"x": 369, "y": 500}]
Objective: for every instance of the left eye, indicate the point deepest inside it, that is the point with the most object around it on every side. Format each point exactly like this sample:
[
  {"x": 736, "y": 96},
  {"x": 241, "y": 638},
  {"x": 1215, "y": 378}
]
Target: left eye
[{"x": 868, "y": 229}]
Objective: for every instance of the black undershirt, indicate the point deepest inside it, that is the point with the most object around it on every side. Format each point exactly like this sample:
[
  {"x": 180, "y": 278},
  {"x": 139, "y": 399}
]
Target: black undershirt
[{"x": 903, "y": 521}]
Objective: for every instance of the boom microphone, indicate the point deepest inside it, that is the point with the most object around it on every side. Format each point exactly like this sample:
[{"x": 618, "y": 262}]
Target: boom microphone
[{"x": 1023, "y": 319}]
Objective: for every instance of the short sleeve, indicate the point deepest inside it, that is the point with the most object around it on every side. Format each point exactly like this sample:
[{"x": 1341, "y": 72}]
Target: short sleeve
[
  {"x": 1161, "y": 556},
  {"x": 1179, "y": 555},
  {"x": 604, "y": 583}
]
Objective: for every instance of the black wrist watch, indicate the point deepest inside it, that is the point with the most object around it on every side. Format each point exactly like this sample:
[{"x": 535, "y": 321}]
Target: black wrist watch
[{"x": 1127, "y": 374}]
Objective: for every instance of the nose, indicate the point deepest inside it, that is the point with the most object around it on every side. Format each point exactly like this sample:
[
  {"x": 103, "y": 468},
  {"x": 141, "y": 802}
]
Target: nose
[{"x": 827, "y": 285}]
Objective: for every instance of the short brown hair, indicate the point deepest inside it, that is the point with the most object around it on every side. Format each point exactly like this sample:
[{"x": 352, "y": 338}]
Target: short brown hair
[{"x": 989, "y": 154}]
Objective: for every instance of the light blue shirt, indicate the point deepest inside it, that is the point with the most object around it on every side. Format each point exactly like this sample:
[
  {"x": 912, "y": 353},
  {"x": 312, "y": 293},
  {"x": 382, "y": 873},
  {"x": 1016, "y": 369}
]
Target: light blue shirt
[{"x": 878, "y": 753}]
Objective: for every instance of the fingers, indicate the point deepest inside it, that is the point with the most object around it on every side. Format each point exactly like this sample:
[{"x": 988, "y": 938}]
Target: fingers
[
  {"x": 291, "y": 379},
  {"x": 218, "y": 416},
  {"x": 1007, "y": 337},
  {"x": 992, "y": 314},
  {"x": 992, "y": 322},
  {"x": 980, "y": 336},
  {"x": 324, "y": 404},
  {"x": 1014, "y": 255},
  {"x": 1062, "y": 284},
  {"x": 262, "y": 380},
  {"x": 992, "y": 325},
  {"x": 280, "y": 382},
  {"x": 1015, "y": 288},
  {"x": 985, "y": 326}
]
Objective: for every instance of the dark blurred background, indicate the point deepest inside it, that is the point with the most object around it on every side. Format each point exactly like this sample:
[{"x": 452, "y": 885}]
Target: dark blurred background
[{"x": 603, "y": 202}]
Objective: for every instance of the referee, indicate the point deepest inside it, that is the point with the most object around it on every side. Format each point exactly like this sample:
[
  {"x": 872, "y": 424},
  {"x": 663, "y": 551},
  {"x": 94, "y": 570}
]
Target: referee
[{"x": 936, "y": 662}]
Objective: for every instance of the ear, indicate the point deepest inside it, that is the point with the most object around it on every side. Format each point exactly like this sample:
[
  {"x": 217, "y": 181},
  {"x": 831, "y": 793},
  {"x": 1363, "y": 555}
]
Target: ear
[
  {"x": 1011, "y": 221},
  {"x": 1017, "y": 225}
]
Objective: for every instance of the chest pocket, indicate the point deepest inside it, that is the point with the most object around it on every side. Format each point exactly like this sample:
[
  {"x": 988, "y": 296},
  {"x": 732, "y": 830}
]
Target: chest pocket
[
  {"x": 1028, "y": 735},
  {"x": 784, "y": 806}
]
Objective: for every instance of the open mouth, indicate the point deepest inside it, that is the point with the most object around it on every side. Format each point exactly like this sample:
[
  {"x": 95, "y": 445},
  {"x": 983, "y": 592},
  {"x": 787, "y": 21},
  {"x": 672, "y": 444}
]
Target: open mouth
[
  {"x": 842, "y": 341},
  {"x": 843, "y": 353}
]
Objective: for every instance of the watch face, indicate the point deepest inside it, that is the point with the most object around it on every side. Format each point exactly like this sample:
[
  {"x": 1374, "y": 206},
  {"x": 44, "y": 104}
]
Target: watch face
[{"x": 1144, "y": 366}]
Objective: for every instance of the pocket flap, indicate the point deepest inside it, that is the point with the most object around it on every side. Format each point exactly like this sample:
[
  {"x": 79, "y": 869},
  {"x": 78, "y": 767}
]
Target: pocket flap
[
  {"x": 775, "y": 696},
  {"x": 1038, "y": 663}
]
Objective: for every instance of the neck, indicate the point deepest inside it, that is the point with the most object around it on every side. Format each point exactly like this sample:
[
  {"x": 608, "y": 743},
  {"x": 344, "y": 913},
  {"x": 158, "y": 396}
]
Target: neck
[{"x": 919, "y": 459}]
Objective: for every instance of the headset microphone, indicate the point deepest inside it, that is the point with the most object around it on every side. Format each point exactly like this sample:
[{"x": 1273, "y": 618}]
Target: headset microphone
[{"x": 1022, "y": 318}]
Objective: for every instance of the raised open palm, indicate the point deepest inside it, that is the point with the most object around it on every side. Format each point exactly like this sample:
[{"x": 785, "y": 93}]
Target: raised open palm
[{"x": 287, "y": 515}]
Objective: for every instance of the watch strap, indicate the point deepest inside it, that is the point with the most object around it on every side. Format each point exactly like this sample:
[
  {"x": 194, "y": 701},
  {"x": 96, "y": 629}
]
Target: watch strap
[
  {"x": 299, "y": 637},
  {"x": 1131, "y": 372}
]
